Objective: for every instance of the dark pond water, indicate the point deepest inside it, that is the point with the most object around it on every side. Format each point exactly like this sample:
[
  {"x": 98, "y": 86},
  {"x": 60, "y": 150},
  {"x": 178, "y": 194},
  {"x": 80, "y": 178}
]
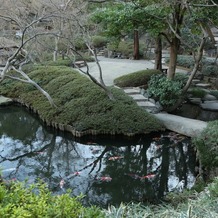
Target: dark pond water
[{"x": 106, "y": 170}]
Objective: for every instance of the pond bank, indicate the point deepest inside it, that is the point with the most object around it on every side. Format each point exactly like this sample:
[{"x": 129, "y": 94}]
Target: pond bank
[{"x": 185, "y": 126}]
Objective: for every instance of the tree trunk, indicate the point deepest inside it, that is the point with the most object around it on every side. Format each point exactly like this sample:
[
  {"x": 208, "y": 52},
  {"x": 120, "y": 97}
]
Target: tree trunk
[
  {"x": 174, "y": 47},
  {"x": 136, "y": 45},
  {"x": 194, "y": 71},
  {"x": 158, "y": 54},
  {"x": 55, "y": 54}
]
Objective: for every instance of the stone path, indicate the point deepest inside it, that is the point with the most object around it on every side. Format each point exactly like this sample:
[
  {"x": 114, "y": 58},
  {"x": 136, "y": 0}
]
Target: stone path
[{"x": 182, "y": 125}]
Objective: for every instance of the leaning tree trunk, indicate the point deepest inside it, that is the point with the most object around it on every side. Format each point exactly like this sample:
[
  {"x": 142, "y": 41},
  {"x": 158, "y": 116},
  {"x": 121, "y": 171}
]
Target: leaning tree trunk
[
  {"x": 136, "y": 45},
  {"x": 158, "y": 54}
]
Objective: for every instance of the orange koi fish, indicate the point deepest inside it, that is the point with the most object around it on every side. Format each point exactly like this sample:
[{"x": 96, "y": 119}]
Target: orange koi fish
[
  {"x": 149, "y": 176},
  {"x": 115, "y": 158},
  {"x": 104, "y": 178}
]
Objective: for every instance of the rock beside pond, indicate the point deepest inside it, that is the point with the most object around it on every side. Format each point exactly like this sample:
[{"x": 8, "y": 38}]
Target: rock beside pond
[
  {"x": 210, "y": 105},
  {"x": 5, "y": 101},
  {"x": 209, "y": 97}
]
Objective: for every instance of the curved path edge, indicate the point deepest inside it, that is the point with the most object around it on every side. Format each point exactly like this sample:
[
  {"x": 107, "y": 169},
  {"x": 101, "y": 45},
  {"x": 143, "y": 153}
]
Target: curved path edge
[{"x": 182, "y": 125}]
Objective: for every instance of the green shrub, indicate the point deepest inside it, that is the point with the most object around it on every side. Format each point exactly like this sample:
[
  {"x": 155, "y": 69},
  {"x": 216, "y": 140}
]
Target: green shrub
[
  {"x": 210, "y": 68},
  {"x": 139, "y": 78},
  {"x": 198, "y": 92},
  {"x": 207, "y": 145},
  {"x": 19, "y": 201},
  {"x": 81, "y": 103},
  {"x": 99, "y": 41},
  {"x": 164, "y": 90},
  {"x": 126, "y": 48}
]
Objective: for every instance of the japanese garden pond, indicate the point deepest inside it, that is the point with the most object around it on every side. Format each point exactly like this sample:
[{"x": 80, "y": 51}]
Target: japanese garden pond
[{"x": 106, "y": 170}]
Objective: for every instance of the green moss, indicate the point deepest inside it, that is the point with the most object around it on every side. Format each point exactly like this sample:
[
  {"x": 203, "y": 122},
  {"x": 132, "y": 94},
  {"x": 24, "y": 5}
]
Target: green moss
[
  {"x": 80, "y": 103},
  {"x": 198, "y": 92},
  {"x": 139, "y": 78}
]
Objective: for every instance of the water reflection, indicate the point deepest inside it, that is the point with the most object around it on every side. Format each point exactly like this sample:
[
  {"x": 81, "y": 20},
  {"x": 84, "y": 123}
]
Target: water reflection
[{"x": 106, "y": 171}]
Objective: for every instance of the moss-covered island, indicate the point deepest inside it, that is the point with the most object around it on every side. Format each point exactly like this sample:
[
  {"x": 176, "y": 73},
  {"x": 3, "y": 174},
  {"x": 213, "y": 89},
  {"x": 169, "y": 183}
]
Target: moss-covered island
[{"x": 82, "y": 107}]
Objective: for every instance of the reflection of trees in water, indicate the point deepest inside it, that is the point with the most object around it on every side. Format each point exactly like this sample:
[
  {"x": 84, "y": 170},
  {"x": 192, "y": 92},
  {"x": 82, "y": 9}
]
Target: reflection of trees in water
[
  {"x": 18, "y": 124},
  {"x": 52, "y": 158}
]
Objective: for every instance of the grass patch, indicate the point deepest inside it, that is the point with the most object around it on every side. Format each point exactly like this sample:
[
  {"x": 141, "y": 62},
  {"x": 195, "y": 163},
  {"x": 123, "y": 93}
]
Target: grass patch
[
  {"x": 139, "y": 78},
  {"x": 201, "y": 205},
  {"x": 81, "y": 103}
]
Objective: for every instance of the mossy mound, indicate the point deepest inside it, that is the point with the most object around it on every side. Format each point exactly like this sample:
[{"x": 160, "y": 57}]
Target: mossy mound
[
  {"x": 82, "y": 107},
  {"x": 139, "y": 78}
]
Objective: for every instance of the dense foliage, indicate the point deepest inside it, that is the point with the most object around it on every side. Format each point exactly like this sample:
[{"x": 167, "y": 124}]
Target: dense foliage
[
  {"x": 166, "y": 91},
  {"x": 80, "y": 103},
  {"x": 208, "y": 67},
  {"x": 207, "y": 145},
  {"x": 139, "y": 78},
  {"x": 18, "y": 201}
]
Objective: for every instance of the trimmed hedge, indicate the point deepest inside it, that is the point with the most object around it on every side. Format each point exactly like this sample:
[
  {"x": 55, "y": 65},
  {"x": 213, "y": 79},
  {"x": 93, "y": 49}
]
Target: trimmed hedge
[
  {"x": 139, "y": 78},
  {"x": 81, "y": 104}
]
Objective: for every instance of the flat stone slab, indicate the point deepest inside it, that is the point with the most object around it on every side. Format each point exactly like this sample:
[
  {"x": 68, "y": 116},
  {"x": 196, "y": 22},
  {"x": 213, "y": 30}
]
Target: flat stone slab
[
  {"x": 146, "y": 104},
  {"x": 139, "y": 97},
  {"x": 131, "y": 91},
  {"x": 210, "y": 105},
  {"x": 5, "y": 101},
  {"x": 195, "y": 100},
  {"x": 182, "y": 125},
  {"x": 203, "y": 85},
  {"x": 209, "y": 97}
]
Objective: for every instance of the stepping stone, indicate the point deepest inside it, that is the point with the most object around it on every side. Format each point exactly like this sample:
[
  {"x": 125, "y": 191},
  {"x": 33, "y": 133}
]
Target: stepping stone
[
  {"x": 139, "y": 97},
  {"x": 210, "y": 105},
  {"x": 203, "y": 85},
  {"x": 209, "y": 97},
  {"x": 195, "y": 100},
  {"x": 146, "y": 104},
  {"x": 131, "y": 91},
  {"x": 195, "y": 81}
]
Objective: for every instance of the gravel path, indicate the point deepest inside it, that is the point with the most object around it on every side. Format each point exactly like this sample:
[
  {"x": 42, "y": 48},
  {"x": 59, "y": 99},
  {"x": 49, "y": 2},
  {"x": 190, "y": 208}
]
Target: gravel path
[{"x": 113, "y": 68}]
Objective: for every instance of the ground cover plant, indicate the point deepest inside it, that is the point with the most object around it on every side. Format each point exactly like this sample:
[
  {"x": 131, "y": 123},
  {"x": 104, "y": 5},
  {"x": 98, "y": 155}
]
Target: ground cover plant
[
  {"x": 20, "y": 201},
  {"x": 135, "y": 79},
  {"x": 80, "y": 103}
]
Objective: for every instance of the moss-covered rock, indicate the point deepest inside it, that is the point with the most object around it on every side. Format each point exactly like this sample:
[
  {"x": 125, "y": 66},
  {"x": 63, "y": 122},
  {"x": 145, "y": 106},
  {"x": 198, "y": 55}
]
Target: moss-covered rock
[
  {"x": 139, "y": 78},
  {"x": 82, "y": 107}
]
